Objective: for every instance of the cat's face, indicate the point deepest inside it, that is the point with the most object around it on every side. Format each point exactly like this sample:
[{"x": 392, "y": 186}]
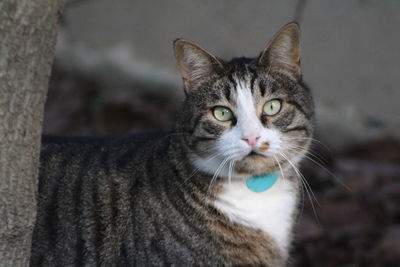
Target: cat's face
[{"x": 246, "y": 116}]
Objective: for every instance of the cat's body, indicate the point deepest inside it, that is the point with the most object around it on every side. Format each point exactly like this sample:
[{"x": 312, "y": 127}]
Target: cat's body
[
  {"x": 131, "y": 202},
  {"x": 181, "y": 198}
]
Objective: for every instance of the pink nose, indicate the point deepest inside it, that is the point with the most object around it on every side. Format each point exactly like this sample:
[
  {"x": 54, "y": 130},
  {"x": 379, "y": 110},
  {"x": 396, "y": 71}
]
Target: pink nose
[{"x": 251, "y": 140}]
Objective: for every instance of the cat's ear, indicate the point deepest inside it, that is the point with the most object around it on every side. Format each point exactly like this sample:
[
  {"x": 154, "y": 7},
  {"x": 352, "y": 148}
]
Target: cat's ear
[
  {"x": 283, "y": 52},
  {"x": 195, "y": 63}
]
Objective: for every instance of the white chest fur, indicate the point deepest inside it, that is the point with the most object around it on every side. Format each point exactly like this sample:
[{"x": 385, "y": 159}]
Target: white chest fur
[{"x": 271, "y": 210}]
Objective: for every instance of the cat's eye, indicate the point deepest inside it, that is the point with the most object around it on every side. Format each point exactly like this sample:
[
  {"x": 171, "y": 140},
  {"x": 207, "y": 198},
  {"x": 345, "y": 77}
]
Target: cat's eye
[
  {"x": 222, "y": 113},
  {"x": 272, "y": 107}
]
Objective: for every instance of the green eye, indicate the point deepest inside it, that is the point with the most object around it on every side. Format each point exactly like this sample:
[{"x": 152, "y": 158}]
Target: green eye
[
  {"x": 272, "y": 107},
  {"x": 222, "y": 113}
]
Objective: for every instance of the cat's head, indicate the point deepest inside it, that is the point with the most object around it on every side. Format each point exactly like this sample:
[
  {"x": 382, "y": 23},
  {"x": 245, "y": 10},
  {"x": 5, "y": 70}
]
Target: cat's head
[{"x": 252, "y": 114}]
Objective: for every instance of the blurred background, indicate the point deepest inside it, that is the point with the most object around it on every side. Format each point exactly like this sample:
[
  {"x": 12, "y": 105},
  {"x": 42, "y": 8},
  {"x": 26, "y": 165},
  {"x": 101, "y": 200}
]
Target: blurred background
[{"x": 115, "y": 74}]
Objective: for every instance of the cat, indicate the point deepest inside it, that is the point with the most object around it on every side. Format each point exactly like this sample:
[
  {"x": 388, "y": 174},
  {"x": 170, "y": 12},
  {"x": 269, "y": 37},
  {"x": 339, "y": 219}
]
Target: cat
[{"x": 221, "y": 190}]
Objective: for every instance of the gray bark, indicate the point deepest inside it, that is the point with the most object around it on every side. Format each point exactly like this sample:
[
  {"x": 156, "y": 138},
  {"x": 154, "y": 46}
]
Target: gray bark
[{"x": 28, "y": 30}]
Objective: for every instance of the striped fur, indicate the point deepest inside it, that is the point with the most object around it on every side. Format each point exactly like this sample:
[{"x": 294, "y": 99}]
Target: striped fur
[{"x": 144, "y": 200}]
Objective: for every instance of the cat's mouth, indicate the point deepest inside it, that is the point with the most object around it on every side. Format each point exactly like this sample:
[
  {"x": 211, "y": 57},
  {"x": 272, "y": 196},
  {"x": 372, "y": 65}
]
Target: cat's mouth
[{"x": 254, "y": 154}]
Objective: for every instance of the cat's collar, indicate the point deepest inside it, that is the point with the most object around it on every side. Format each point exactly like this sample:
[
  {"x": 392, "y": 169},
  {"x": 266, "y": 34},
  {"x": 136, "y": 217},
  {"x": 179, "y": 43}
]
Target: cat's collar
[{"x": 261, "y": 182}]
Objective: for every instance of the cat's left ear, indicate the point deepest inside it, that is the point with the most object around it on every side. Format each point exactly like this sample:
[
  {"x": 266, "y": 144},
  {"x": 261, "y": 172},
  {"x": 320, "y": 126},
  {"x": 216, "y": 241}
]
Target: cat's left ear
[
  {"x": 195, "y": 63},
  {"x": 283, "y": 52}
]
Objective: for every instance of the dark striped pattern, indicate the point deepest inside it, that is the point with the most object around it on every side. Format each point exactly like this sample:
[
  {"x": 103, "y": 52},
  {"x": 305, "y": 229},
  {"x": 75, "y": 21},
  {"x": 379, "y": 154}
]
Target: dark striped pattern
[{"x": 99, "y": 214}]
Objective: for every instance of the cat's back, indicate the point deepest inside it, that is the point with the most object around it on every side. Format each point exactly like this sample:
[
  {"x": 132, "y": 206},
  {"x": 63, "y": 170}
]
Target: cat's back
[
  {"x": 84, "y": 193},
  {"x": 75, "y": 153}
]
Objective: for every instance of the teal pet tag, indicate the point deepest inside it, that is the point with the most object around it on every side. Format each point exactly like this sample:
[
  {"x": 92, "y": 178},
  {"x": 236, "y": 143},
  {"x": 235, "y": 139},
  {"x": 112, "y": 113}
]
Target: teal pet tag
[{"x": 262, "y": 182}]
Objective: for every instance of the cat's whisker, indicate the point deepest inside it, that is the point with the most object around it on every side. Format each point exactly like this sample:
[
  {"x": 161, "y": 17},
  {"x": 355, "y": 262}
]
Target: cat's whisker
[
  {"x": 302, "y": 198},
  {"x": 230, "y": 171},
  {"x": 337, "y": 178},
  {"x": 309, "y": 151},
  {"x": 215, "y": 176},
  {"x": 308, "y": 138},
  {"x": 281, "y": 170},
  {"x": 301, "y": 137},
  {"x": 306, "y": 151},
  {"x": 221, "y": 167},
  {"x": 234, "y": 164},
  {"x": 302, "y": 176},
  {"x": 304, "y": 182},
  {"x": 299, "y": 149},
  {"x": 213, "y": 156},
  {"x": 306, "y": 186}
]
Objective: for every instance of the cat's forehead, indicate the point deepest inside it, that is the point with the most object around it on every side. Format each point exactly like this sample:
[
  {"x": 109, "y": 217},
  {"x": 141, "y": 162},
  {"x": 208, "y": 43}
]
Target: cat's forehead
[{"x": 243, "y": 74}]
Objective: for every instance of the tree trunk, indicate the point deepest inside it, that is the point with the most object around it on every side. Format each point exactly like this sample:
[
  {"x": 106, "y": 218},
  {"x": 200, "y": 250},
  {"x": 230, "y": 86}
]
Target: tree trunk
[{"x": 28, "y": 30}]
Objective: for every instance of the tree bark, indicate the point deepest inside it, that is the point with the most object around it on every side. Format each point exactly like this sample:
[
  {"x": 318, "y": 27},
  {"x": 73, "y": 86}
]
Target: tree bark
[{"x": 28, "y": 30}]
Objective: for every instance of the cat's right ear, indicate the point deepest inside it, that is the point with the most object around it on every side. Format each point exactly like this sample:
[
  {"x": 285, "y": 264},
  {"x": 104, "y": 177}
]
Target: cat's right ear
[{"x": 195, "y": 63}]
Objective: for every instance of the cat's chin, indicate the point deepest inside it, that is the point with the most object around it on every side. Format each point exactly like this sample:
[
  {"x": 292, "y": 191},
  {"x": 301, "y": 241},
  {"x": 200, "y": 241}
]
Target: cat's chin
[{"x": 256, "y": 164}]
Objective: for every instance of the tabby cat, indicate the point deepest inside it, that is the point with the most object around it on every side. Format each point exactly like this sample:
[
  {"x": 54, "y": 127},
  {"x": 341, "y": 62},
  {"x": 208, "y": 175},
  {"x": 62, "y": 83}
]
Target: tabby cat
[{"x": 221, "y": 190}]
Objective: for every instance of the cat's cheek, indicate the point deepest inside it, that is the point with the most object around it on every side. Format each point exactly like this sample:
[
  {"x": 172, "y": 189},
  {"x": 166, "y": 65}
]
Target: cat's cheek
[{"x": 231, "y": 145}]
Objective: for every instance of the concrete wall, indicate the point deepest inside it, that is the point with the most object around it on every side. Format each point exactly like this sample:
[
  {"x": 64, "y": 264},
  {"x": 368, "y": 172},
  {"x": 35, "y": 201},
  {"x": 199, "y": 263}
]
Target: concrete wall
[{"x": 350, "y": 52}]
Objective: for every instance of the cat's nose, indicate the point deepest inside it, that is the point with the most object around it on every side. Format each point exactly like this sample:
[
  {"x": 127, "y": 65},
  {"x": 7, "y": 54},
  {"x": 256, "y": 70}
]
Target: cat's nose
[{"x": 251, "y": 140}]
